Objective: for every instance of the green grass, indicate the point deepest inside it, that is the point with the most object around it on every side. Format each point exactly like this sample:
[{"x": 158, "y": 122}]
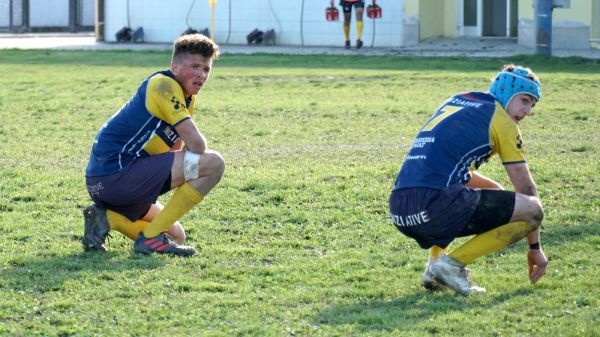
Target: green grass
[{"x": 295, "y": 240}]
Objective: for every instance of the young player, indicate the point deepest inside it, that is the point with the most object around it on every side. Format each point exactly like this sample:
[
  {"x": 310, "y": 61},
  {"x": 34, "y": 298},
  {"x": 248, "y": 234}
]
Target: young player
[
  {"x": 439, "y": 195},
  {"x": 150, "y": 146},
  {"x": 359, "y": 6}
]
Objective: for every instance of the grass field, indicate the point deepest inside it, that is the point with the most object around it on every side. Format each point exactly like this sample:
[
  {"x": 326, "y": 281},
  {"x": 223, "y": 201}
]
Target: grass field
[{"x": 295, "y": 240}]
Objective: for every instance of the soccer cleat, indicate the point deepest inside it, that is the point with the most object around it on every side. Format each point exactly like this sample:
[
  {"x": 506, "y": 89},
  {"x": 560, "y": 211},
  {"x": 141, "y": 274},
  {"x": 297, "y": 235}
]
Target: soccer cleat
[
  {"x": 454, "y": 275},
  {"x": 95, "y": 228},
  {"x": 347, "y": 45},
  {"x": 359, "y": 44},
  {"x": 427, "y": 280},
  {"x": 161, "y": 244}
]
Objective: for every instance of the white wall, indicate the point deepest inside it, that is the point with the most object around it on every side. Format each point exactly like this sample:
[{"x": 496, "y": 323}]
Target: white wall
[
  {"x": 49, "y": 13},
  {"x": 4, "y": 13},
  {"x": 163, "y": 21}
]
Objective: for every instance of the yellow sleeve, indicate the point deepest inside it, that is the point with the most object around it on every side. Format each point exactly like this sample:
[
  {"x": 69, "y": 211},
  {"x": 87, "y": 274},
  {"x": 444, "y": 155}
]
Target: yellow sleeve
[
  {"x": 506, "y": 138},
  {"x": 192, "y": 105},
  {"x": 165, "y": 100}
]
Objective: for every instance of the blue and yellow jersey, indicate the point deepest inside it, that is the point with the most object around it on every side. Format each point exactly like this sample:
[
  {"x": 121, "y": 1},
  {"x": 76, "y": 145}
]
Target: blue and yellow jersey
[
  {"x": 143, "y": 127},
  {"x": 461, "y": 135}
]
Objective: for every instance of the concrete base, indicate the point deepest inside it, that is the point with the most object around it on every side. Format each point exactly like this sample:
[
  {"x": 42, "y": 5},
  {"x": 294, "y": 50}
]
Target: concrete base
[
  {"x": 410, "y": 32},
  {"x": 568, "y": 35}
]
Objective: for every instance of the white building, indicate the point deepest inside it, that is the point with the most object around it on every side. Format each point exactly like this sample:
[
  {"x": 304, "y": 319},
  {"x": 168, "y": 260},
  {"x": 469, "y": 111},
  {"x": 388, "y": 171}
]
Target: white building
[{"x": 296, "y": 22}]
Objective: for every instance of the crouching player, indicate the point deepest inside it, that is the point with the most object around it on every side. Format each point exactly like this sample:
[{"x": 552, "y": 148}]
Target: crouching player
[
  {"x": 439, "y": 195},
  {"x": 149, "y": 147}
]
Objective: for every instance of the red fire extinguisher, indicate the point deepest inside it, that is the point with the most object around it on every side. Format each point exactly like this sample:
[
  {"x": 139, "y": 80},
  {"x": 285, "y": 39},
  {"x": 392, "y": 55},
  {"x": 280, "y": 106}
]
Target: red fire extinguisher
[
  {"x": 374, "y": 11},
  {"x": 332, "y": 13}
]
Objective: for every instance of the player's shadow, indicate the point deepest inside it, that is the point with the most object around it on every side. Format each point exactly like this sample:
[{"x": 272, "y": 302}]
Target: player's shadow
[
  {"x": 44, "y": 273},
  {"x": 423, "y": 305},
  {"x": 406, "y": 310}
]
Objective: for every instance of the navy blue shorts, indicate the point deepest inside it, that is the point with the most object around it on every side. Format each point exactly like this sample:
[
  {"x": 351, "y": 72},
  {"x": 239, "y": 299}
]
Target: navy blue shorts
[
  {"x": 132, "y": 191},
  {"x": 437, "y": 217},
  {"x": 347, "y": 5}
]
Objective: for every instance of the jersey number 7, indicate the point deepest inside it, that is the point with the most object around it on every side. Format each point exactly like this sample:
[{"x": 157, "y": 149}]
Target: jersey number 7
[{"x": 446, "y": 111}]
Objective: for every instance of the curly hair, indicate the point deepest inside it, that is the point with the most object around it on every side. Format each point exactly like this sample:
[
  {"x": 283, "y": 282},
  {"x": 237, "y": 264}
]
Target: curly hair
[
  {"x": 530, "y": 74},
  {"x": 195, "y": 44}
]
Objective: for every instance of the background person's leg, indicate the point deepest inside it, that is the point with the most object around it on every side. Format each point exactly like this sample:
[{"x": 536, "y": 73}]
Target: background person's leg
[
  {"x": 346, "y": 26},
  {"x": 359, "y": 27}
]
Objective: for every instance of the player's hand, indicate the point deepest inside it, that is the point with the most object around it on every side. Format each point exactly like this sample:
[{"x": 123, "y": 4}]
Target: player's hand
[{"x": 537, "y": 264}]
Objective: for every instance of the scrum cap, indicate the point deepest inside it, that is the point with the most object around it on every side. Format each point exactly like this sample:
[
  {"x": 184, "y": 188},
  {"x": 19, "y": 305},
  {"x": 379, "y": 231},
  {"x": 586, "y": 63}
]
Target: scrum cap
[{"x": 509, "y": 83}]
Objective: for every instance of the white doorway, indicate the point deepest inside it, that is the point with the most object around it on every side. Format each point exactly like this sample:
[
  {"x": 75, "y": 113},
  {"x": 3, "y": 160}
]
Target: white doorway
[
  {"x": 496, "y": 18},
  {"x": 471, "y": 17}
]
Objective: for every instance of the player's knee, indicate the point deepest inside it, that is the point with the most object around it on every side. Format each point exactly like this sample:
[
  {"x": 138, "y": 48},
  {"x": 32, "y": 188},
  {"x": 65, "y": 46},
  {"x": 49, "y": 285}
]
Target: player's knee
[
  {"x": 536, "y": 212},
  {"x": 220, "y": 163},
  {"x": 216, "y": 163}
]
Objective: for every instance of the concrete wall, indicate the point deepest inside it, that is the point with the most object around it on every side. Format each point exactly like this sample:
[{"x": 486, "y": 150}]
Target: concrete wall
[
  {"x": 571, "y": 27},
  {"x": 47, "y": 13},
  {"x": 163, "y": 21},
  {"x": 579, "y": 11},
  {"x": 411, "y": 23}
]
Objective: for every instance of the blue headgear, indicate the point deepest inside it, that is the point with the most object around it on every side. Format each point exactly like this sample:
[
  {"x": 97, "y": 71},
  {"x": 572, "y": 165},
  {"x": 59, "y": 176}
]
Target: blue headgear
[{"x": 507, "y": 84}]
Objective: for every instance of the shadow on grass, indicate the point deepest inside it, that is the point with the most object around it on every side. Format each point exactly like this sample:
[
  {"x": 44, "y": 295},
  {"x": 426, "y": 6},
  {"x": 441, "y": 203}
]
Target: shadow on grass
[
  {"x": 422, "y": 306},
  {"x": 49, "y": 273},
  {"x": 409, "y": 310},
  {"x": 569, "y": 233}
]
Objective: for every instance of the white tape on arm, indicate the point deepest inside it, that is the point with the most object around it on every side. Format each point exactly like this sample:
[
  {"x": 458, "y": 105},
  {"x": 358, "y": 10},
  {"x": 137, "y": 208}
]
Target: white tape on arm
[{"x": 191, "y": 161}]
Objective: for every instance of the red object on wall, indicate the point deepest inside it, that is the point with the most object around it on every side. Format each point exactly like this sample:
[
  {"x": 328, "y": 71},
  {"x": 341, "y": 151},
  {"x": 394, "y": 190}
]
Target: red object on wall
[
  {"x": 332, "y": 13},
  {"x": 374, "y": 11}
]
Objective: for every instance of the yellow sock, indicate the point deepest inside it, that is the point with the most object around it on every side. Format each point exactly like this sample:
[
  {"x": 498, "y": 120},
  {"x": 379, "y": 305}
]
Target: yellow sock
[
  {"x": 123, "y": 225},
  {"x": 347, "y": 32},
  {"x": 359, "y": 29},
  {"x": 435, "y": 252},
  {"x": 182, "y": 201},
  {"x": 491, "y": 241}
]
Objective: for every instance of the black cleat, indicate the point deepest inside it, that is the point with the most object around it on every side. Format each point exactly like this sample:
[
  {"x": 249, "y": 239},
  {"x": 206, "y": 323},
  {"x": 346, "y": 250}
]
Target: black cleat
[
  {"x": 95, "y": 228},
  {"x": 161, "y": 244},
  {"x": 359, "y": 44},
  {"x": 347, "y": 45}
]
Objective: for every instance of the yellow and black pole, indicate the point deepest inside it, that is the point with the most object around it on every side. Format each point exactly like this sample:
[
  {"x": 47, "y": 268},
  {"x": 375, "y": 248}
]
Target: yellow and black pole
[{"x": 211, "y": 3}]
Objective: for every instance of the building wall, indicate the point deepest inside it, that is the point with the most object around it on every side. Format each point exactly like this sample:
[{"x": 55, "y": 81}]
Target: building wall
[
  {"x": 432, "y": 17},
  {"x": 411, "y": 8},
  {"x": 572, "y": 28},
  {"x": 87, "y": 12},
  {"x": 595, "y": 24},
  {"x": 580, "y": 11},
  {"x": 4, "y": 13},
  {"x": 49, "y": 13},
  {"x": 450, "y": 19},
  {"x": 163, "y": 21}
]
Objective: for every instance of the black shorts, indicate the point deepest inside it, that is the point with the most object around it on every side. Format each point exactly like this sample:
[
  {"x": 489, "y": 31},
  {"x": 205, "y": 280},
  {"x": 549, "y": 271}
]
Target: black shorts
[
  {"x": 437, "y": 217},
  {"x": 494, "y": 209},
  {"x": 347, "y": 5},
  {"x": 132, "y": 191}
]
